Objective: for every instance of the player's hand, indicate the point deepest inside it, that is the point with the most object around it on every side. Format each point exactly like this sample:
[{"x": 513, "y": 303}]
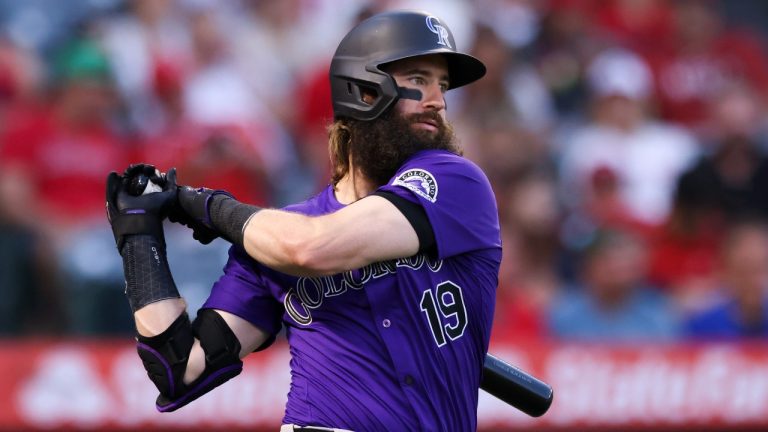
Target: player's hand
[
  {"x": 192, "y": 210},
  {"x": 143, "y": 214}
]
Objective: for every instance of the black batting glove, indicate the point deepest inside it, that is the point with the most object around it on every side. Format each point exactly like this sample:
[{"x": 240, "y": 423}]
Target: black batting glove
[
  {"x": 143, "y": 214},
  {"x": 196, "y": 203},
  {"x": 216, "y": 212},
  {"x": 191, "y": 210}
]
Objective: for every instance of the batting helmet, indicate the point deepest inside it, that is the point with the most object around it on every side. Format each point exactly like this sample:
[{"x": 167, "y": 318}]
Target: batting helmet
[{"x": 385, "y": 38}]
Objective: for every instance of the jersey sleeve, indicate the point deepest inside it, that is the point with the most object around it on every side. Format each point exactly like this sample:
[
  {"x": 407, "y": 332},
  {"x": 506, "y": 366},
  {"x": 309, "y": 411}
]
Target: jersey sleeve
[
  {"x": 245, "y": 290},
  {"x": 457, "y": 198}
]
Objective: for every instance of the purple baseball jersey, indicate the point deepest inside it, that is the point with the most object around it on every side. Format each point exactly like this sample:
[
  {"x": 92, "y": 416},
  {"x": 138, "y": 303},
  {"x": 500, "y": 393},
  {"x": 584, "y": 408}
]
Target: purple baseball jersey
[{"x": 396, "y": 345}]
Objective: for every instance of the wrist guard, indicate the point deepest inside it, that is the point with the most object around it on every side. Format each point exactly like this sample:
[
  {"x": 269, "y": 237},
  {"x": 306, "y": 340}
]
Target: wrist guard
[
  {"x": 147, "y": 276},
  {"x": 217, "y": 210},
  {"x": 230, "y": 217}
]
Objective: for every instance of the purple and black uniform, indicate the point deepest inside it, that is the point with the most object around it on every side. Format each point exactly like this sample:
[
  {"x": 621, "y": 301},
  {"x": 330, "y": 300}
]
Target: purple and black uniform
[{"x": 396, "y": 345}]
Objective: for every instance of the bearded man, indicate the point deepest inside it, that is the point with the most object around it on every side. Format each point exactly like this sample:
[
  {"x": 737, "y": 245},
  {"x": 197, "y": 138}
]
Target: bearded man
[{"x": 384, "y": 282}]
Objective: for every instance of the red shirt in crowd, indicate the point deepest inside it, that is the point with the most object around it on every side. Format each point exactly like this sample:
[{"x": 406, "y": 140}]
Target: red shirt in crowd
[{"x": 67, "y": 166}]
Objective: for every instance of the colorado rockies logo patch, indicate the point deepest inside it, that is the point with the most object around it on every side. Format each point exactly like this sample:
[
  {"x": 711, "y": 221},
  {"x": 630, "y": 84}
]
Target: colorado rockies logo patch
[{"x": 420, "y": 182}]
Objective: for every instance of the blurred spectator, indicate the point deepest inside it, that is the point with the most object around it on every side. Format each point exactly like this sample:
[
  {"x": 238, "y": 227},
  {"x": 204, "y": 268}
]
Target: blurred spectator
[
  {"x": 309, "y": 125},
  {"x": 59, "y": 151},
  {"x": 268, "y": 51},
  {"x": 565, "y": 43},
  {"x": 751, "y": 14},
  {"x": 311, "y": 118},
  {"x": 41, "y": 25},
  {"x": 725, "y": 184},
  {"x": 219, "y": 96},
  {"x": 683, "y": 257},
  {"x": 742, "y": 311},
  {"x": 612, "y": 303},
  {"x": 528, "y": 278},
  {"x": 21, "y": 75},
  {"x": 730, "y": 179},
  {"x": 17, "y": 280},
  {"x": 275, "y": 43},
  {"x": 507, "y": 152},
  {"x": 700, "y": 57},
  {"x": 510, "y": 91},
  {"x": 517, "y": 22},
  {"x": 216, "y": 99},
  {"x": 145, "y": 44},
  {"x": 31, "y": 300},
  {"x": 64, "y": 148},
  {"x": 503, "y": 121},
  {"x": 622, "y": 145},
  {"x": 635, "y": 24}
]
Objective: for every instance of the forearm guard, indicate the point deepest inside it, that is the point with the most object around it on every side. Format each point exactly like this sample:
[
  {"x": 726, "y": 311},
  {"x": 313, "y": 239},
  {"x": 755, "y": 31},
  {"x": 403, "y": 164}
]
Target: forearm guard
[{"x": 147, "y": 275}]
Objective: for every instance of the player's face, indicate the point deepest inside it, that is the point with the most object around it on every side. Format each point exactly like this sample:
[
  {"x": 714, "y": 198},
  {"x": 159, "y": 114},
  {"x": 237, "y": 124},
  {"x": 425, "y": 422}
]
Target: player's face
[
  {"x": 381, "y": 146},
  {"x": 429, "y": 76}
]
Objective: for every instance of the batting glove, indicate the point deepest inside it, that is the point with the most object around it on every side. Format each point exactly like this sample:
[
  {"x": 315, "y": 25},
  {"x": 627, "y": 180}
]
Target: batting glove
[
  {"x": 217, "y": 211},
  {"x": 143, "y": 214},
  {"x": 191, "y": 210},
  {"x": 194, "y": 216}
]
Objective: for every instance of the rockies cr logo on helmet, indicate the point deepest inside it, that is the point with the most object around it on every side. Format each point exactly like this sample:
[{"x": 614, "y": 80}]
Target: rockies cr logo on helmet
[{"x": 433, "y": 24}]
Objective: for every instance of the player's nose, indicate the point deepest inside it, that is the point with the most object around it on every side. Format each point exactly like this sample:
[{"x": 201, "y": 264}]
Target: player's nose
[{"x": 434, "y": 98}]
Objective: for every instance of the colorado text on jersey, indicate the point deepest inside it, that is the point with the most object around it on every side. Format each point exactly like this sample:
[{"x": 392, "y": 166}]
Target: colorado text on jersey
[{"x": 308, "y": 293}]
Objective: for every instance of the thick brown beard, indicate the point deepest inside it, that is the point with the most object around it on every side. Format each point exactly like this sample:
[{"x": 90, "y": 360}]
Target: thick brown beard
[{"x": 381, "y": 146}]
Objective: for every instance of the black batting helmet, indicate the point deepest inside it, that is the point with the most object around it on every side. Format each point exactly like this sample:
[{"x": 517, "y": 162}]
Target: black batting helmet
[{"x": 385, "y": 38}]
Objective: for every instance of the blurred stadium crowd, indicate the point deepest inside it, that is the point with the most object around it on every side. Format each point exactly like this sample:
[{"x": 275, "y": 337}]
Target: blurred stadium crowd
[{"x": 625, "y": 139}]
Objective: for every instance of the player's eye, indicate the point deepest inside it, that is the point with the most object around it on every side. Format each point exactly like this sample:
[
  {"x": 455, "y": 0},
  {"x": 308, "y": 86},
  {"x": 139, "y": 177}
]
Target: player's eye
[
  {"x": 443, "y": 87},
  {"x": 417, "y": 80}
]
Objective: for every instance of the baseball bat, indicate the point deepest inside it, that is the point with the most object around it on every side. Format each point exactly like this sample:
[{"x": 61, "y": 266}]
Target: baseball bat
[{"x": 516, "y": 387}]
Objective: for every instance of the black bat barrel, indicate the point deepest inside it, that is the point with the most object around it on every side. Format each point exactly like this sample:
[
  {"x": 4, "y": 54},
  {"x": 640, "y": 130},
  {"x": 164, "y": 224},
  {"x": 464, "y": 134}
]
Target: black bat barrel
[{"x": 515, "y": 387}]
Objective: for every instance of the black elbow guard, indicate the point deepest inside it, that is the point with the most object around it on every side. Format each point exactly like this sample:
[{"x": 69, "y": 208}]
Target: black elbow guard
[
  {"x": 165, "y": 358},
  {"x": 165, "y": 355}
]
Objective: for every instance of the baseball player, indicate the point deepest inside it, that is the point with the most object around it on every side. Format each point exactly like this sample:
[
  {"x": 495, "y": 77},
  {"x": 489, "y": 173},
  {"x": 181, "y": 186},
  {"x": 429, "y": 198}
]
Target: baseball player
[{"x": 384, "y": 282}]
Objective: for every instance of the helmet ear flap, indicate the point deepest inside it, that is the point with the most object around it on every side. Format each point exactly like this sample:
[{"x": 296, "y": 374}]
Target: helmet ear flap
[
  {"x": 363, "y": 99},
  {"x": 368, "y": 94},
  {"x": 363, "y": 92}
]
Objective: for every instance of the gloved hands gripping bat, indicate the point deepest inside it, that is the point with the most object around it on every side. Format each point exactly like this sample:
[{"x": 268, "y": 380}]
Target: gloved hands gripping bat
[
  {"x": 143, "y": 179},
  {"x": 502, "y": 380}
]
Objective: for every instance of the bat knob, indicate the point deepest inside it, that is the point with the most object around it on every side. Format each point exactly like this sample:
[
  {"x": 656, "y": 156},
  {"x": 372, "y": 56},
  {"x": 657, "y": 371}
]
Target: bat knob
[
  {"x": 141, "y": 184},
  {"x": 138, "y": 184}
]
